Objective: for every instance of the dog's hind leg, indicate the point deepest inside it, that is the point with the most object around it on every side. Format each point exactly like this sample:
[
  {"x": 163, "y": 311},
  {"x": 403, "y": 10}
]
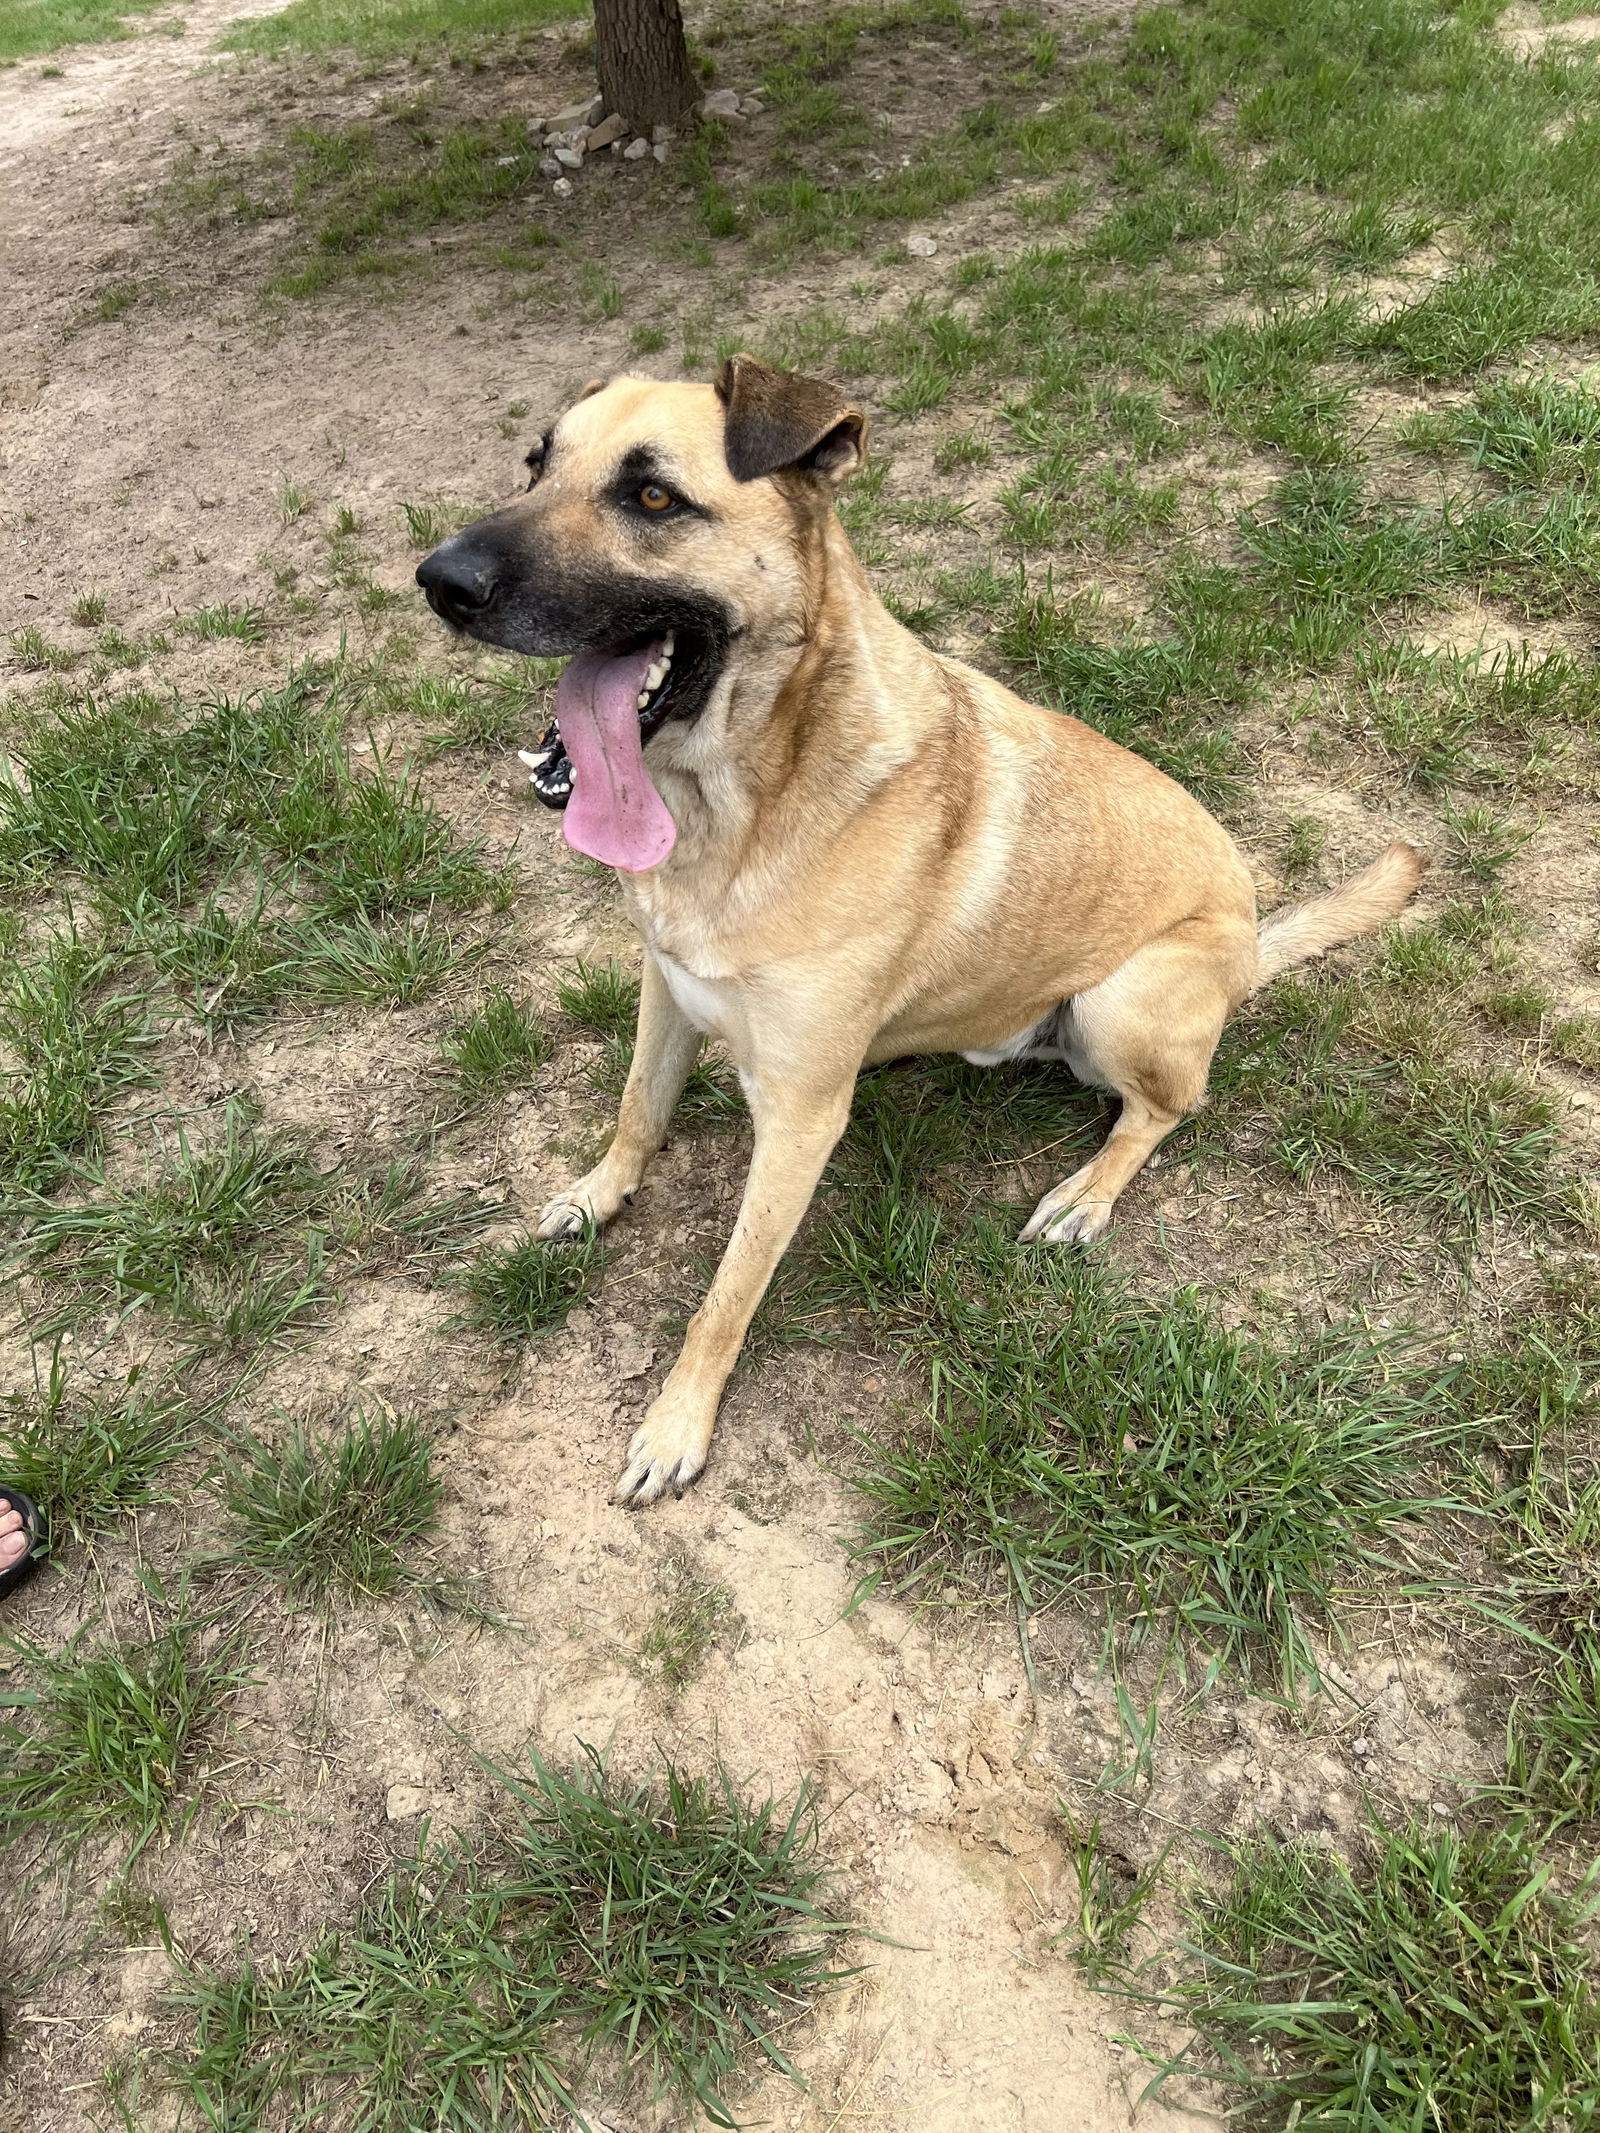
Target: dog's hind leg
[
  {"x": 796, "y": 1126},
  {"x": 1147, "y": 1032},
  {"x": 663, "y": 1052}
]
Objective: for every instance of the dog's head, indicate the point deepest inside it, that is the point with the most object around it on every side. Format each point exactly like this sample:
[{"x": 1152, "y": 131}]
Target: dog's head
[{"x": 663, "y": 524}]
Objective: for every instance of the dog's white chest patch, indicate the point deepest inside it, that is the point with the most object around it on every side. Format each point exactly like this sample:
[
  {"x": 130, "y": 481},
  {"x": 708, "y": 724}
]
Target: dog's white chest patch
[{"x": 703, "y": 1000}]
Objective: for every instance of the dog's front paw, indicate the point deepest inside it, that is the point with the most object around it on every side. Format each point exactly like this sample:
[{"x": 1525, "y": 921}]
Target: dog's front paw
[
  {"x": 668, "y": 1452},
  {"x": 1073, "y": 1213},
  {"x": 568, "y": 1215}
]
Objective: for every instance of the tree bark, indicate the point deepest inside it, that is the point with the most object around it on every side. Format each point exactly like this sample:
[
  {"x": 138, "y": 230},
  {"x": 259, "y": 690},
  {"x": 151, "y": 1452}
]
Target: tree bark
[{"x": 643, "y": 61}]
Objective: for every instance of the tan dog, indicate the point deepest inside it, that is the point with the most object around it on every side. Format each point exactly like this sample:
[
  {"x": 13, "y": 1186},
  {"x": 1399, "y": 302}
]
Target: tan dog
[{"x": 837, "y": 846}]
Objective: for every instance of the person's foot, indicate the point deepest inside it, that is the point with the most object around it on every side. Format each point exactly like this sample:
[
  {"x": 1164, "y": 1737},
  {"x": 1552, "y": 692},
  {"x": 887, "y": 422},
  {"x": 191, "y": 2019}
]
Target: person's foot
[{"x": 13, "y": 1537}]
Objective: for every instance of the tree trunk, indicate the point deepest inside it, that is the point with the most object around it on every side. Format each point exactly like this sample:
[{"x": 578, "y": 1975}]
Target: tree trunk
[{"x": 643, "y": 62}]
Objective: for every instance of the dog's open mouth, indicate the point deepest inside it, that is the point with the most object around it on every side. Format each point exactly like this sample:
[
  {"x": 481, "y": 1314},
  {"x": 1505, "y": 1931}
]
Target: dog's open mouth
[{"x": 609, "y": 704}]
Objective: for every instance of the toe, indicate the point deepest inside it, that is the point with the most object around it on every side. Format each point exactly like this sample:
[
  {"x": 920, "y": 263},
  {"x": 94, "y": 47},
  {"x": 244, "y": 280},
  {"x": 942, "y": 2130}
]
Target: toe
[
  {"x": 1081, "y": 1224},
  {"x": 559, "y": 1220},
  {"x": 13, "y": 1547},
  {"x": 657, "y": 1463}
]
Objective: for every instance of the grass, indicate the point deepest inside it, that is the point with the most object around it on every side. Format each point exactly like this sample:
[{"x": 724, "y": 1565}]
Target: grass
[
  {"x": 76, "y": 1044},
  {"x": 113, "y": 1735},
  {"x": 1111, "y": 1897},
  {"x": 345, "y": 1516},
  {"x": 518, "y": 1291},
  {"x": 381, "y": 26},
  {"x": 675, "y": 1925},
  {"x": 1188, "y": 1481},
  {"x": 34, "y": 26},
  {"x": 502, "y": 1044},
  {"x": 233, "y": 1239},
  {"x": 90, "y": 1460},
  {"x": 1437, "y": 1979},
  {"x": 685, "y": 1623}
]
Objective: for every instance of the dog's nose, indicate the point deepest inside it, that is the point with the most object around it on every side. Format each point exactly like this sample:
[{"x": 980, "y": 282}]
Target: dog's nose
[{"x": 460, "y": 581}]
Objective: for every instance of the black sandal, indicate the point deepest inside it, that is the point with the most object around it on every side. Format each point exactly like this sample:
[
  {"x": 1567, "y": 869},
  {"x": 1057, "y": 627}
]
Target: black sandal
[{"x": 33, "y": 1526}]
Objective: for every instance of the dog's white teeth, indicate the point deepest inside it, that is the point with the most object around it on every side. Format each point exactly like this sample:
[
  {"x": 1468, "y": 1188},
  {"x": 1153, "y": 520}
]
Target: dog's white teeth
[
  {"x": 656, "y": 676},
  {"x": 642, "y": 698},
  {"x": 525, "y": 756},
  {"x": 669, "y": 643}
]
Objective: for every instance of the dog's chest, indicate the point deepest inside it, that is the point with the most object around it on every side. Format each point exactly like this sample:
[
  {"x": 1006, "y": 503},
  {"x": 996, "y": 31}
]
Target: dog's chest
[{"x": 709, "y": 1003}]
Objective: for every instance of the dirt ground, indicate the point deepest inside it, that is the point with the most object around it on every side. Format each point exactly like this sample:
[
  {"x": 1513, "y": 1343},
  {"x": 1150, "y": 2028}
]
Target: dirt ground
[{"x": 144, "y": 456}]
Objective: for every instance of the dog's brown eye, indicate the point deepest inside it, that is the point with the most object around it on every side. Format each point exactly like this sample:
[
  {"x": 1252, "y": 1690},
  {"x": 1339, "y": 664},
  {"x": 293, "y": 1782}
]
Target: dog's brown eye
[{"x": 655, "y": 498}]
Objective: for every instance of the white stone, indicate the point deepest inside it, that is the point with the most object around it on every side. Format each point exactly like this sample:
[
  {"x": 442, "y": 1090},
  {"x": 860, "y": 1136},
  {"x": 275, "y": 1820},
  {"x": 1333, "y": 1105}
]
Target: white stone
[
  {"x": 721, "y": 103},
  {"x": 922, "y": 247},
  {"x": 549, "y": 167},
  {"x": 403, "y": 1803},
  {"x": 660, "y": 151},
  {"x": 570, "y": 158},
  {"x": 636, "y": 149},
  {"x": 584, "y": 114},
  {"x": 562, "y": 188}
]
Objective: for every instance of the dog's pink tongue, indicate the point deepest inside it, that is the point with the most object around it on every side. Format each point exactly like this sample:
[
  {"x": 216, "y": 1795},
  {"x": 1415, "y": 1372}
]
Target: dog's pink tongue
[{"x": 615, "y": 813}]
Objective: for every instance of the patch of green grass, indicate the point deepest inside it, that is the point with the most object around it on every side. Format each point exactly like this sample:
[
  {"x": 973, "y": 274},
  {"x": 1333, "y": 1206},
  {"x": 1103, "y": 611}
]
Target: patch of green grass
[
  {"x": 1111, "y": 1893},
  {"x": 362, "y": 965},
  {"x": 90, "y": 1460},
  {"x": 33, "y": 26},
  {"x": 334, "y": 1517},
  {"x": 501, "y": 1045},
  {"x": 75, "y": 1046},
  {"x": 170, "y": 1240},
  {"x": 675, "y": 1924},
  {"x": 602, "y": 997},
  {"x": 32, "y": 651},
  {"x": 112, "y": 1735},
  {"x": 382, "y": 26},
  {"x": 1553, "y": 1746},
  {"x": 89, "y": 610},
  {"x": 518, "y": 1291},
  {"x": 685, "y": 1623},
  {"x": 209, "y": 625},
  {"x": 1438, "y": 1978},
  {"x": 1448, "y": 720},
  {"x": 1185, "y": 1478},
  {"x": 1532, "y": 432}
]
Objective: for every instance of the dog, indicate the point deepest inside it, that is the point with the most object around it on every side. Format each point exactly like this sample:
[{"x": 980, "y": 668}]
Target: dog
[{"x": 838, "y": 846}]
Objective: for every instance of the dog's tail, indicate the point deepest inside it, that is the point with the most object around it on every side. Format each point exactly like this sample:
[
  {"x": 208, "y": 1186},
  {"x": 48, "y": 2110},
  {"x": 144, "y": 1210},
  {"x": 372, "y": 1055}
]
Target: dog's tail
[{"x": 1301, "y": 931}]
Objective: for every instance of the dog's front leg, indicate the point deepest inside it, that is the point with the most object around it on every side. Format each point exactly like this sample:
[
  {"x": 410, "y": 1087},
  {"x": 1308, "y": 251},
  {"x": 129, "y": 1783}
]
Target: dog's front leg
[
  {"x": 796, "y": 1126},
  {"x": 663, "y": 1052}
]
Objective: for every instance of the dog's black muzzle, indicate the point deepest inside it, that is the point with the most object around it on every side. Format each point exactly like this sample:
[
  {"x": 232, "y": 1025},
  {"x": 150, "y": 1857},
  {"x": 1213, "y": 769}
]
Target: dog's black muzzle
[{"x": 462, "y": 581}]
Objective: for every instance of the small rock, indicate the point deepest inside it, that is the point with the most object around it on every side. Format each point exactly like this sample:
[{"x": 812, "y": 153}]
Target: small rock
[
  {"x": 403, "y": 1803},
  {"x": 504, "y": 162},
  {"x": 721, "y": 103},
  {"x": 636, "y": 149},
  {"x": 752, "y": 107},
  {"x": 608, "y": 130},
  {"x": 549, "y": 167},
  {"x": 570, "y": 158},
  {"x": 616, "y": 149},
  {"x": 658, "y": 134},
  {"x": 659, "y": 151},
  {"x": 562, "y": 188},
  {"x": 922, "y": 247},
  {"x": 1361, "y": 1747},
  {"x": 584, "y": 114},
  {"x": 631, "y": 1353}
]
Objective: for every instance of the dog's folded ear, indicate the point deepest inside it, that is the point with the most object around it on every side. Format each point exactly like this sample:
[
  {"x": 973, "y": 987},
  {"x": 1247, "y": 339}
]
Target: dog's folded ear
[{"x": 778, "y": 420}]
